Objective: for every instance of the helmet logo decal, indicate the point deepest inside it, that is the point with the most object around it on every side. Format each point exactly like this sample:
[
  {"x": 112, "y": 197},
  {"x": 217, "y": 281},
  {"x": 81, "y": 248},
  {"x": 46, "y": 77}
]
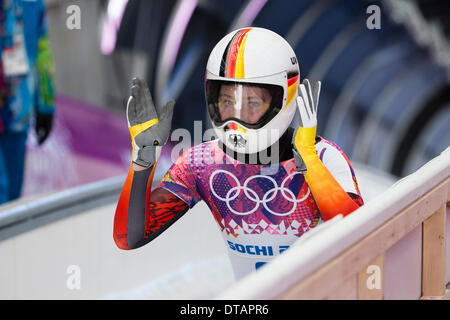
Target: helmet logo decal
[{"x": 237, "y": 140}]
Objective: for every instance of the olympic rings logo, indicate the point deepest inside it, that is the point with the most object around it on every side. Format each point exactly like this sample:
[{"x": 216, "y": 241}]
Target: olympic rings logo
[{"x": 234, "y": 192}]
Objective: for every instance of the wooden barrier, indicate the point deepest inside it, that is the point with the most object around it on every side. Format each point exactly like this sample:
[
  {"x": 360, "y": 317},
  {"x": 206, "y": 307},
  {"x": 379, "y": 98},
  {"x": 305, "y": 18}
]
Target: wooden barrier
[{"x": 429, "y": 211}]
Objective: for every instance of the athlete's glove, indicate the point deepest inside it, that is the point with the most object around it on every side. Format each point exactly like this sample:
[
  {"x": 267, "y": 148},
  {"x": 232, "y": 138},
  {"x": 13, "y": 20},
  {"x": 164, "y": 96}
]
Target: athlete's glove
[
  {"x": 329, "y": 196},
  {"x": 43, "y": 126},
  {"x": 305, "y": 135},
  {"x": 149, "y": 132}
]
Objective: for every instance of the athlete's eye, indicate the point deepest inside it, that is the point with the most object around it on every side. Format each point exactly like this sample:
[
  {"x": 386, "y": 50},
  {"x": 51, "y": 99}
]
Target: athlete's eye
[
  {"x": 254, "y": 104},
  {"x": 226, "y": 103}
]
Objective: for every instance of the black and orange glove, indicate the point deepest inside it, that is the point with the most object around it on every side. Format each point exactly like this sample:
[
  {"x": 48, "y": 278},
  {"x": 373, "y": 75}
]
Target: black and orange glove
[{"x": 149, "y": 131}]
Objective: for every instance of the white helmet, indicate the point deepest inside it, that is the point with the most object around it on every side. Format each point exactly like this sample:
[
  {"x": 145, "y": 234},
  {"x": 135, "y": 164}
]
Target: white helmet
[{"x": 251, "y": 81}]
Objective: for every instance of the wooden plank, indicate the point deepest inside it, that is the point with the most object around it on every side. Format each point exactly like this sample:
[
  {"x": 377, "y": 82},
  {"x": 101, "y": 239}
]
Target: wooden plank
[
  {"x": 433, "y": 254},
  {"x": 446, "y": 296},
  {"x": 371, "y": 280},
  {"x": 347, "y": 291},
  {"x": 352, "y": 260}
]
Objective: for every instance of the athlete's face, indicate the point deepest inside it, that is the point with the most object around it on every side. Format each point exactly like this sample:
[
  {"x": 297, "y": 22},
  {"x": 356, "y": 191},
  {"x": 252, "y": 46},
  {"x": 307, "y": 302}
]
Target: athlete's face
[{"x": 247, "y": 103}]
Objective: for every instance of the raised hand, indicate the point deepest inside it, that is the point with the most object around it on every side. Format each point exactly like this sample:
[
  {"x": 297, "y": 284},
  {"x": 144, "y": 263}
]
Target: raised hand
[
  {"x": 149, "y": 131},
  {"x": 331, "y": 199},
  {"x": 305, "y": 135},
  {"x": 307, "y": 103}
]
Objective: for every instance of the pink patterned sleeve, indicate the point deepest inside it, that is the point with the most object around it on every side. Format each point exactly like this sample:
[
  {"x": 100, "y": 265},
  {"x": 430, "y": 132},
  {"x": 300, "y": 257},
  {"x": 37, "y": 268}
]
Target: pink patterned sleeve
[{"x": 181, "y": 179}]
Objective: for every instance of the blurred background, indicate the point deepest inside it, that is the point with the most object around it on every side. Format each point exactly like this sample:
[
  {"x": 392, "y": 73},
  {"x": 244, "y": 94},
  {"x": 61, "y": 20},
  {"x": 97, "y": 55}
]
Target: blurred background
[
  {"x": 384, "y": 67},
  {"x": 385, "y": 97}
]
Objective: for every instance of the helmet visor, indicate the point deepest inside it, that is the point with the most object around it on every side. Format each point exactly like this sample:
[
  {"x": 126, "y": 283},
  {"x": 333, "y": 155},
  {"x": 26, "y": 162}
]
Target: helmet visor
[{"x": 251, "y": 104}]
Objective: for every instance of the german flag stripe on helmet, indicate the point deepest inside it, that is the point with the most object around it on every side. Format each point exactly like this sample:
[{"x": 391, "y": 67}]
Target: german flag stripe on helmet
[
  {"x": 292, "y": 88},
  {"x": 232, "y": 64}
]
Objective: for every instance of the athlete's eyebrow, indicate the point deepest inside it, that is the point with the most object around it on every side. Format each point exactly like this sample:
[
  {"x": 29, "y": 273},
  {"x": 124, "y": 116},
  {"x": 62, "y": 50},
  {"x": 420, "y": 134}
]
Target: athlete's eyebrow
[
  {"x": 226, "y": 94},
  {"x": 254, "y": 97}
]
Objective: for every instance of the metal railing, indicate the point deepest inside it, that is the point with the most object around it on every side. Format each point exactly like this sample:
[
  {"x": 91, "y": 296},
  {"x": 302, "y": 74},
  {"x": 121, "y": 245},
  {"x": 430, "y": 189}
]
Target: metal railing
[{"x": 27, "y": 214}]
